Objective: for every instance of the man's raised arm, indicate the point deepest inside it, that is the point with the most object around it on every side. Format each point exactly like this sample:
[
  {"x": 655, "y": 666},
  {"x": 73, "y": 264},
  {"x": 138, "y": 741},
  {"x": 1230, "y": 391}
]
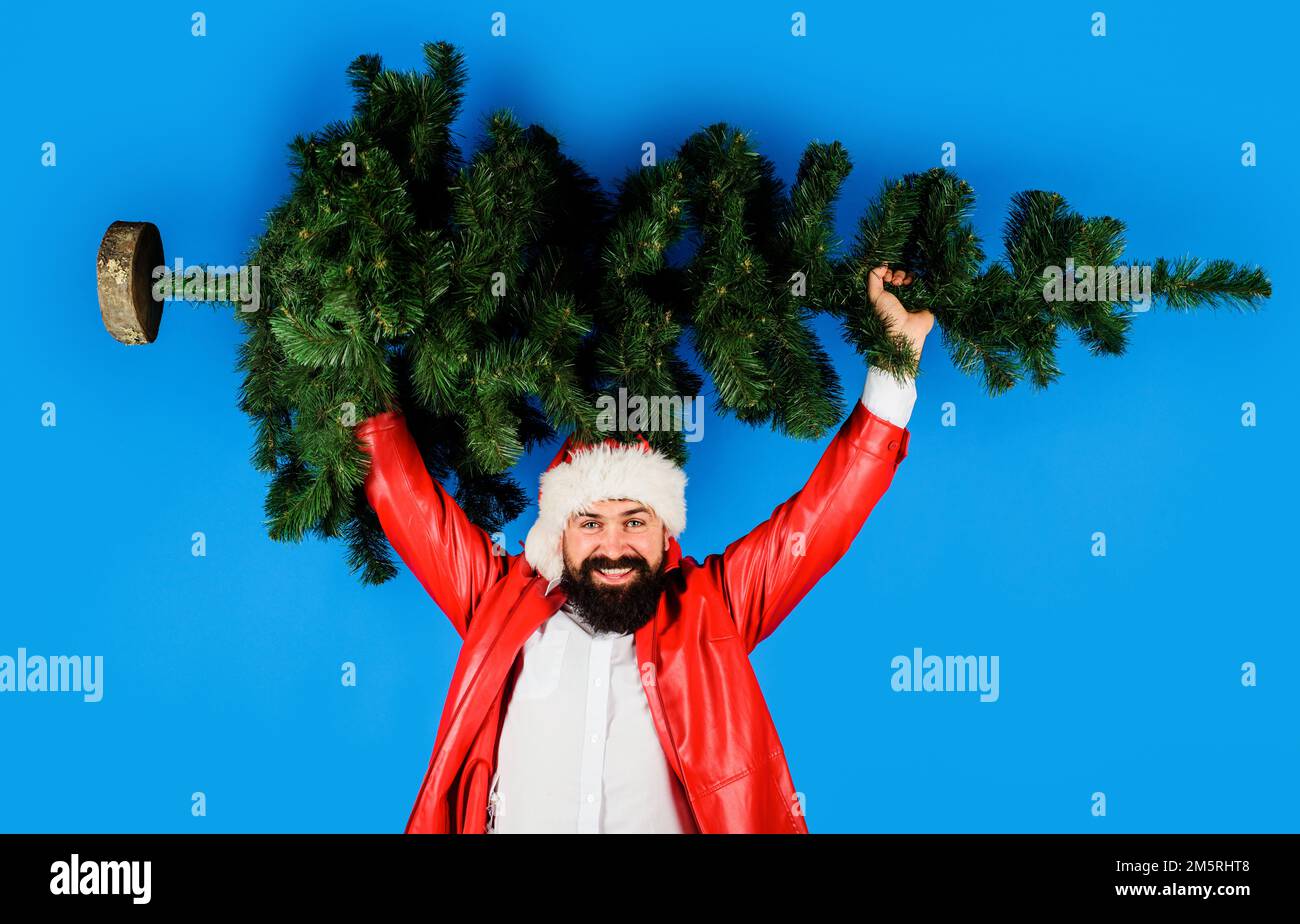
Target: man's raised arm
[
  {"x": 451, "y": 557},
  {"x": 767, "y": 572}
]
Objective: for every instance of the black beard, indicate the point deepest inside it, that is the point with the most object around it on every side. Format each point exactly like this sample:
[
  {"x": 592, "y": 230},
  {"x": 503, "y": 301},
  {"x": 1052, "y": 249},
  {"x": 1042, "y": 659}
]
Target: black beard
[{"x": 619, "y": 609}]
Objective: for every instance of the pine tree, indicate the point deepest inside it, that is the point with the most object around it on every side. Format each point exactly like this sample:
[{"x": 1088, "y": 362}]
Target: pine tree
[{"x": 495, "y": 300}]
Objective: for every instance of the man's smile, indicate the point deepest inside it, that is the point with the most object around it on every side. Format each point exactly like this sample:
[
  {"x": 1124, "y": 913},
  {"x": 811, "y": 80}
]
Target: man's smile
[{"x": 614, "y": 575}]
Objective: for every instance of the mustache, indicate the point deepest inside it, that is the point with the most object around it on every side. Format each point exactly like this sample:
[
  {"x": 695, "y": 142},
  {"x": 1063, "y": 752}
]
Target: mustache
[{"x": 635, "y": 562}]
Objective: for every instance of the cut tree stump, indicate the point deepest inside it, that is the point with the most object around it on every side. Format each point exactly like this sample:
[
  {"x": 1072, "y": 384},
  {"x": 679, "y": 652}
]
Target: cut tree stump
[{"x": 127, "y": 257}]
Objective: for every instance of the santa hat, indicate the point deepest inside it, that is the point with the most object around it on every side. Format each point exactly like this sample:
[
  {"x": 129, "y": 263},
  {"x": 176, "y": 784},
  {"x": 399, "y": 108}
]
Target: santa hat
[{"x": 582, "y": 474}]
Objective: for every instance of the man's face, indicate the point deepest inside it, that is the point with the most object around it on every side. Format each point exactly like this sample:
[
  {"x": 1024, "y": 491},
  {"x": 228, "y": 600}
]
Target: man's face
[{"x": 614, "y": 553}]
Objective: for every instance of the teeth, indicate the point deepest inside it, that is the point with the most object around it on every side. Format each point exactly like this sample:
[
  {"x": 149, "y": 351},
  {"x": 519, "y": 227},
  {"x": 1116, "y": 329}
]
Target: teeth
[{"x": 615, "y": 572}]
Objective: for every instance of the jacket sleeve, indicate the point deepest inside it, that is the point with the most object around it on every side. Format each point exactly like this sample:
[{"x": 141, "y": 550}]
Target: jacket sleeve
[
  {"x": 767, "y": 572},
  {"x": 452, "y": 558}
]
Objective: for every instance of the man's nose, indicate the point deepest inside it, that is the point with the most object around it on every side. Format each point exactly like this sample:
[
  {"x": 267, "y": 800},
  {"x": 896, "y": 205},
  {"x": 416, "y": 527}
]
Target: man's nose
[{"x": 616, "y": 548}]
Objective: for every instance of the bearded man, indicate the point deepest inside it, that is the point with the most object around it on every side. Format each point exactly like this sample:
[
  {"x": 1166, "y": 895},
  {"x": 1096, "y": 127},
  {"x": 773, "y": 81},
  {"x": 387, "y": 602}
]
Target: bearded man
[{"x": 604, "y": 683}]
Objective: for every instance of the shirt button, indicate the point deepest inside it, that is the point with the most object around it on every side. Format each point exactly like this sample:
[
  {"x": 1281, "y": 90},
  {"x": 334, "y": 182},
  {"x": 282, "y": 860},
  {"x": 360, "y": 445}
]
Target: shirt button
[
  {"x": 596, "y": 681},
  {"x": 595, "y": 738},
  {"x": 590, "y": 798}
]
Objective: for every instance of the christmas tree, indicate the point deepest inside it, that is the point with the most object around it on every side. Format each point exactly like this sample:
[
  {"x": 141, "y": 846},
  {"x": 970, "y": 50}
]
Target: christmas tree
[{"x": 497, "y": 300}]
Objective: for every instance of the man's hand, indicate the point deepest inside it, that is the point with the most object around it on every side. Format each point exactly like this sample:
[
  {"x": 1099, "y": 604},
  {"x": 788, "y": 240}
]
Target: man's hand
[{"x": 913, "y": 325}]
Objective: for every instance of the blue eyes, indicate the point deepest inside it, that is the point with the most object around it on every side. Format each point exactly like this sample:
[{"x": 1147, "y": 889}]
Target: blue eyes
[{"x": 629, "y": 523}]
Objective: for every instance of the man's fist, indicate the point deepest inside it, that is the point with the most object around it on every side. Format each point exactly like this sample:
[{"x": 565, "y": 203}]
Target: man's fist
[{"x": 913, "y": 325}]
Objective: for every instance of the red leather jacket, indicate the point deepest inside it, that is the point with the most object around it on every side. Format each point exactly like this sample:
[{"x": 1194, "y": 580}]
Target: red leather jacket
[{"x": 707, "y": 707}]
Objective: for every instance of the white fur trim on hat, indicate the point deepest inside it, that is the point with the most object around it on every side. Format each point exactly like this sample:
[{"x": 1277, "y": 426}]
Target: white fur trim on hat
[{"x": 599, "y": 473}]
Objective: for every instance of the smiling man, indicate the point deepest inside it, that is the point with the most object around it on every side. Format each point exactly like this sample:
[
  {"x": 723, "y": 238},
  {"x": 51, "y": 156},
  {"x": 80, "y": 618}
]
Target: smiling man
[
  {"x": 604, "y": 683},
  {"x": 613, "y": 564}
]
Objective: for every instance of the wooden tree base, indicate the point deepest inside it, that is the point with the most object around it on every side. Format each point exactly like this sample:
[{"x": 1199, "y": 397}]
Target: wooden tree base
[{"x": 127, "y": 257}]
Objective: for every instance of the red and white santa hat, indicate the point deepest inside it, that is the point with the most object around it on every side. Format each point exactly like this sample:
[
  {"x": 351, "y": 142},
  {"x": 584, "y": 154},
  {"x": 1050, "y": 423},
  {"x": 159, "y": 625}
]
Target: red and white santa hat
[{"x": 582, "y": 474}]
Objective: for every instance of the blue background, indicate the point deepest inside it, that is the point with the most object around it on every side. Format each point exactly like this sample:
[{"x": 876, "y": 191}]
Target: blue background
[{"x": 1118, "y": 674}]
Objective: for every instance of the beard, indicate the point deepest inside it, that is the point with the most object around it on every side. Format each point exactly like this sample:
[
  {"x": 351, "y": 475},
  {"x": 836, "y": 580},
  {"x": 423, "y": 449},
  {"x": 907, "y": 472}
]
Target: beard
[{"x": 618, "y": 608}]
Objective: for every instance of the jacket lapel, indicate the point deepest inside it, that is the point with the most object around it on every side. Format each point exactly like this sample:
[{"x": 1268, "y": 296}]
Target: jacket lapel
[
  {"x": 484, "y": 667},
  {"x": 648, "y": 664}
]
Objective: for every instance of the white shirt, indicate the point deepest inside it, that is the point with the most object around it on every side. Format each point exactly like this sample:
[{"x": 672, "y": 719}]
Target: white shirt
[{"x": 578, "y": 751}]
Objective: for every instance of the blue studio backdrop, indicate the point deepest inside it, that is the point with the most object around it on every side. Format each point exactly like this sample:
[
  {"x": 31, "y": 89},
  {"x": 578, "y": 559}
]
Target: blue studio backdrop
[{"x": 1119, "y": 674}]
